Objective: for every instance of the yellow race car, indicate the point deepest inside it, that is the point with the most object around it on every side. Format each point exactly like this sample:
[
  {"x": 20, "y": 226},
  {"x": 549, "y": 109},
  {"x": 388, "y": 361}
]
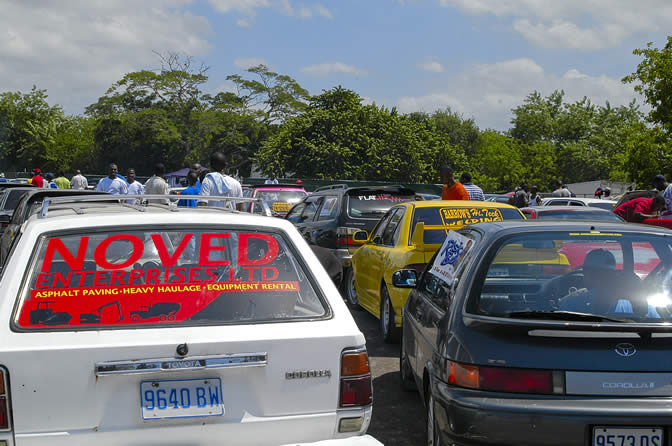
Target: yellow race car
[{"x": 407, "y": 237}]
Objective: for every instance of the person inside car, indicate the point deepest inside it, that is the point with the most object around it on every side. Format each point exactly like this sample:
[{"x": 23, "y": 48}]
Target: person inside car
[{"x": 605, "y": 289}]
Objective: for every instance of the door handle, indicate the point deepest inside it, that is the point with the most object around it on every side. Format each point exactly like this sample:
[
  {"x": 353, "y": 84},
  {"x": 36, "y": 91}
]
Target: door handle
[
  {"x": 419, "y": 312},
  {"x": 139, "y": 366}
]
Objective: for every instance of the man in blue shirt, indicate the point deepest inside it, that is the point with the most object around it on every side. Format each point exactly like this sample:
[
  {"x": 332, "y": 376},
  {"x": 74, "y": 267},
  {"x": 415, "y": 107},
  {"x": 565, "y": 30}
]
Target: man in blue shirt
[{"x": 192, "y": 178}]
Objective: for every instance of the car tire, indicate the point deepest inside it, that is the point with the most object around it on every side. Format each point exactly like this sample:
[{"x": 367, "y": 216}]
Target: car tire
[
  {"x": 405, "y": 372},
  {"x": 388, "y": 330},
  {"x": 431, "y": 428},
  {"x": 349, "y": 290}
]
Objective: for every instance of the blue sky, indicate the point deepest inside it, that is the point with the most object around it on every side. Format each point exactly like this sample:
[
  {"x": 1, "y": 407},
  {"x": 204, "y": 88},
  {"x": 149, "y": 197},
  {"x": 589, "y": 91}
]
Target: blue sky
[{"x": 480, "y": 57}]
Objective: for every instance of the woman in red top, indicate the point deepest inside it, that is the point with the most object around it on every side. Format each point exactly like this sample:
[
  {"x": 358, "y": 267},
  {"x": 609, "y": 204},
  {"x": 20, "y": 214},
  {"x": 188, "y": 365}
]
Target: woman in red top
[{"x": 452, "y": 190}]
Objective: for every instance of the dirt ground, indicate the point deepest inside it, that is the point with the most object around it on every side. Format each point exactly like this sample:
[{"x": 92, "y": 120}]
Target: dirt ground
[{"x": 398, "y": 416}]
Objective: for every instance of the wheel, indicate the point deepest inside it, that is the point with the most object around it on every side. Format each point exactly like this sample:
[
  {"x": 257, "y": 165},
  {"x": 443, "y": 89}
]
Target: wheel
[
  {"x": 135, "y": 317},
  {"x": 171, "y": 317},
  {"x": 405, "y": 372},
  {"x": 350, "y": 290},
  {"x": 387, "y": 328},
  {"x": 432, "y": 430},
  {"x": 163, "y": 317}
]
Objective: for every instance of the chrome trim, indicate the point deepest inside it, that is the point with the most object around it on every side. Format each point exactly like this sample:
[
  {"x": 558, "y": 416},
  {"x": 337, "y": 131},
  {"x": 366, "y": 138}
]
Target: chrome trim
[{"x": 140, "y": 366}]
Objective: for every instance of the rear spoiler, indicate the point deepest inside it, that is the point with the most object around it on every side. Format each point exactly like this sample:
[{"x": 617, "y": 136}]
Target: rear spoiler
[
  {"x": 418, "y": 237},
  {"x": 644, "y": 330}
]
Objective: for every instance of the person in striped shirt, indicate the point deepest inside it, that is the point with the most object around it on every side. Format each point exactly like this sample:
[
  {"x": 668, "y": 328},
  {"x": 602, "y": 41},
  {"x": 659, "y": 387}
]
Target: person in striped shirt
[{"x": 475, "y": 192}]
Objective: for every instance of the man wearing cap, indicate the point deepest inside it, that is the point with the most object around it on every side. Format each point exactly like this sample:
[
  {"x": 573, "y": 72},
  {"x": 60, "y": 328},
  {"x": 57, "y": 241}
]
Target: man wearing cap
[
  {"x": 37, "y": 179},
  {"x": 661, "y": 185},
  {"x": 639, "y": 209},
  {"x": 606, "y": 289}
]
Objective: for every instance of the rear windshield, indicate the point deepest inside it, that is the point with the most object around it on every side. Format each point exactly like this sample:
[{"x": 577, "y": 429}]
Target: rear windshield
[
  {"x": 623, "y": 276},
  {"x": 374, "y": 204},
  {"x": 457, "y": 217},
  {"x": 13, "y": 198},
  {"x": 166, "y": 278},
  {"x": 281, "y": 201},
  {"x": 571, "y": 215}
]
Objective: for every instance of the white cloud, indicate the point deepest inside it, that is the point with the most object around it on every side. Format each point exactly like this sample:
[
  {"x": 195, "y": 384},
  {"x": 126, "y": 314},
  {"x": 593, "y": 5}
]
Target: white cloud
[
  {"x": 432, "y": 66},
  {"x": 323, "y": 11},
  {"x": 77, "y": 49},
  {"x": 244, "y": 6},
  {"x": 326, "y": 69},
  {"x": 249, "y": 62},
  {"x": 488, "y": 92},
  {"x": 249, "y": 9},
  {"x": 556, "y": 24}
]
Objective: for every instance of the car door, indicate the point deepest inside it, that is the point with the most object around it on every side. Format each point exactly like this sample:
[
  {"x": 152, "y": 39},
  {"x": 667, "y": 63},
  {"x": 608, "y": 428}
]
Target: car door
[
  {"x": 309, "y": 216},
  {"x": 174, "y": 358},
  {"x": 363, "y": 259},
  {"x": 324, "y": 231}
]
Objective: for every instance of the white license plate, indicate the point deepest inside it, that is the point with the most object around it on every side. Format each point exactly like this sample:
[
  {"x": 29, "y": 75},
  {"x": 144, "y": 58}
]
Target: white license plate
[
  {"x": 627, "y": 436},
  {"x": 181, "y": 398}
]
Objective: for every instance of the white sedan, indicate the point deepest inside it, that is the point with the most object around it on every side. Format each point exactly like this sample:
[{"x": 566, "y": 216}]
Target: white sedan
[
  {"x": 137, "y": 325},
  {"x": 609, "y": 205}
]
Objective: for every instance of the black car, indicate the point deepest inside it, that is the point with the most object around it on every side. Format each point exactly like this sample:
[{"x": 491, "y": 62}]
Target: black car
[
  {"x": 332, "y": 214},
  {"x": 29, "y": 203},
  {"x": 554, "y": 333},
  {"x": 9, "y": 199}
]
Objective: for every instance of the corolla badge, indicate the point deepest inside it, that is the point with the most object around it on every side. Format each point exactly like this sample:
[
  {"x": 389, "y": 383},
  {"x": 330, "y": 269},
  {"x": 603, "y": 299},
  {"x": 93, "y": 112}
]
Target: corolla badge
[{"x": 625, "y": 349}]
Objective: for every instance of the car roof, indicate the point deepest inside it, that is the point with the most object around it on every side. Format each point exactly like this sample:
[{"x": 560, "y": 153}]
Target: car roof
[
  {"x": 344, "y": 188},
  {"x": 584, "y": 199},
  {"x": 457, "y": 203},
  {"x": 92, "y": 215},
  {"x": 565, "y": 208},
  {"x": 8, "y": 185},
  {"x": 511, "y": 226}
]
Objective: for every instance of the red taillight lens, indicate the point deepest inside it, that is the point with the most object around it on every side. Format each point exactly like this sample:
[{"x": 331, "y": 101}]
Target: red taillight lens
[
  {"x": 356, "y": 387},
  {"x": 4, "y": 403},
  {"x": 501, "y": 379},
  {"x": 344, "y": 237},
  {"x": 356, "y": 392},
  {"x": 516, "y": 380}
]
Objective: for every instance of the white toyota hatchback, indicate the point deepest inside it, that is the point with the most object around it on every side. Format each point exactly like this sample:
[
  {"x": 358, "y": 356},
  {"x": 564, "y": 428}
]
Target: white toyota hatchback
[{"x": 134, "y": 325}]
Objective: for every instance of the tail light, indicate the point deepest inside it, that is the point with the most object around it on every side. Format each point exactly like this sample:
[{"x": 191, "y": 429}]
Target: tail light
[
  {"x": 344, "y": 237},
  {"x": 557, "y": 269},
  {"x": 356, "y": 387},
  {"x": 4, "y": 401},
  {"x": 502, "y": 379}
]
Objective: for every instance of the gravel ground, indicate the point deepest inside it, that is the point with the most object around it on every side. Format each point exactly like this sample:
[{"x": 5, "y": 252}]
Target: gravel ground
[{"x": 398, "y": 416}]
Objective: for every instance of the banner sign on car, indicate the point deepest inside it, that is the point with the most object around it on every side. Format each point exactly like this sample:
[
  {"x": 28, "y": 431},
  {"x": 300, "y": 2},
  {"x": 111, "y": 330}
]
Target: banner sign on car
[
  {"x": 454, "y": 247},
  {"x": 82, "y": 282},
  {"x": 454, "y": 216}
]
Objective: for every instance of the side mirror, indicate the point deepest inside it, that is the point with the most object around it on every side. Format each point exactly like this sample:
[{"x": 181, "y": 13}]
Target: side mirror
[
  {"x": 360, "y": 237},
  {"x": 405, "y": 278}
]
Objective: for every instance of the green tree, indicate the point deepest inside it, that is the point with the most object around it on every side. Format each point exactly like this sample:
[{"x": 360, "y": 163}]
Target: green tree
[
  {"x": 648, "y": 153},
  {"x": 653, "y": 79},
  {"x": 338, "y": 137},
  {"x": 498, "y": 162}
]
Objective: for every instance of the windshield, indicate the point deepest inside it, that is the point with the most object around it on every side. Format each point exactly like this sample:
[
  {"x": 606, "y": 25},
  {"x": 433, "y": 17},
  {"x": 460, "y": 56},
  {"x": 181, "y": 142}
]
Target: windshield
[
  {"x": 578, "y": 215},
  {"x": 373, "y": 204},
  {"x": 192, "y": 277},
  {"x": 457, "y": 217},
  {"x": 621, "y": 276},
  {"x": 13, "y": 198},
  {"x": 280, "y": 201}
]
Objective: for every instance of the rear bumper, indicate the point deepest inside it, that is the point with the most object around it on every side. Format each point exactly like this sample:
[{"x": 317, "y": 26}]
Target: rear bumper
[
  {"x": 468, "y": 418},
  {"x": 251, "y": 430}
]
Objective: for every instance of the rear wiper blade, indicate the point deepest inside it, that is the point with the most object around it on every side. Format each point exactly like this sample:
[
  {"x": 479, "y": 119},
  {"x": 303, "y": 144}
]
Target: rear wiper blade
[{"x": 565, "y": 316}]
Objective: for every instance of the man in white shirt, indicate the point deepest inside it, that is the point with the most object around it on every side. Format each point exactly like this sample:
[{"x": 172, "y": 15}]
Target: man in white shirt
[
  {"x": 475, "y": 192},
  {"x": 271, "y": 180},
  {"x": 134, "y": 187},
  {"x": 156, "y": 185},
  {"x": 561, "y": 191},
  {"x": 112, "y": 184},
  {"x": 217, "y": 183},
  {"x": 79, "y": 181}
]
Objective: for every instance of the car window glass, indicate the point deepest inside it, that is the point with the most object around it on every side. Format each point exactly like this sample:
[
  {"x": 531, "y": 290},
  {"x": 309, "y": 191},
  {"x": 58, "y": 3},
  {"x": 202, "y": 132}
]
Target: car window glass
[
  {"x": 616, "y": 275},
  {"x": 165, "y": 278},
  {"x": 377, "y": 234},
  {"x": 295, "y": 213},
  {"x": 576, "y": 203},
  {"x": 388, "y": 233},
  {"x": 312, "y": 204},
  {"x": 13, "y": 198},
  {"x": 372, "y": 203},
  {"x": 328, "y": 209}
]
